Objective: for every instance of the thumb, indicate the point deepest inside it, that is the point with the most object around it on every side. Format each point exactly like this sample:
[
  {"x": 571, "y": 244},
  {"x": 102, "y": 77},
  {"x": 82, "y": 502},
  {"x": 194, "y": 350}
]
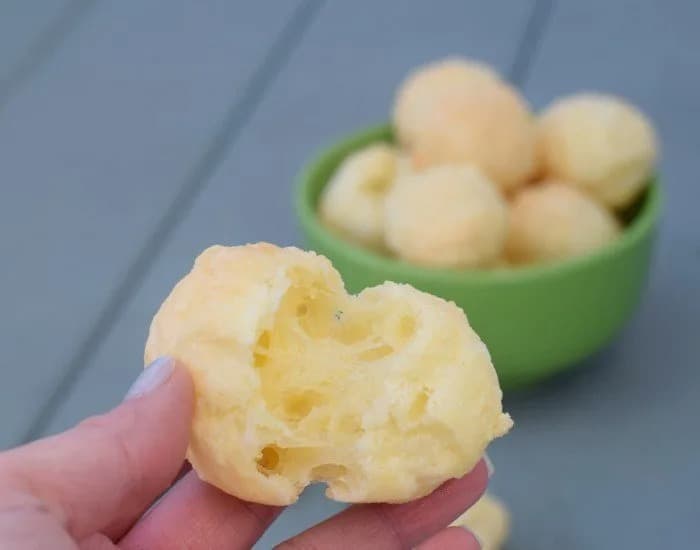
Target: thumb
[{"x": 102, "y": 474}]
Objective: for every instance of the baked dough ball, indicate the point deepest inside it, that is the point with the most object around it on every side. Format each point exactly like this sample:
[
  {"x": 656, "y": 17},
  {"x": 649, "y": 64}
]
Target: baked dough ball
[
  {"x": 489, "y": 520},
  {"x": 352, "y": 202},
  {"x": 416, "y": 96},
  {"x": 383, "y": 395},
  {"x": 553, "y": 221},
  {"x": 600, "y": 143},
  {"x": 448, "y": 216},
  {"x": 458, "y": 111}
]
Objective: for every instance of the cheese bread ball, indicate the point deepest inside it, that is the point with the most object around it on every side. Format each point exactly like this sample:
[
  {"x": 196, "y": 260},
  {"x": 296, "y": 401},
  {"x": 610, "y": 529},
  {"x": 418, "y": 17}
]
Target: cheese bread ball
[
  {"x": 352, "y": 202},
  {"x": 383, "y": 396},
  {"x": 457, "y": 111},
  {"x": 416, "y": 96},
  {"x": 553, "y": 221},
  {"x": 447, "y": 216},
  {"x": 489, "y": 520},
  {"x": 600, "y": 143}
]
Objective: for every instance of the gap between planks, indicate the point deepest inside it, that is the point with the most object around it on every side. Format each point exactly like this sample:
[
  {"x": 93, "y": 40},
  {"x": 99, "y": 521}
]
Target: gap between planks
[
  {"x": 234, "y": 122},
  {"x": 40, "y": 50}
]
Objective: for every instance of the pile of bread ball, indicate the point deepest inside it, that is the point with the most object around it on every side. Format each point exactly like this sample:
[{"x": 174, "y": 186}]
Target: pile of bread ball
[{"x": 476, "y": 180}]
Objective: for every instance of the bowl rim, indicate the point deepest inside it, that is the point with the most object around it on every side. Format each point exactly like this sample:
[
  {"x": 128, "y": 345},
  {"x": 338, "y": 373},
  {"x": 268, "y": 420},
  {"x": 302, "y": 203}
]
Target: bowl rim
[{"x": 643, "y": 223}]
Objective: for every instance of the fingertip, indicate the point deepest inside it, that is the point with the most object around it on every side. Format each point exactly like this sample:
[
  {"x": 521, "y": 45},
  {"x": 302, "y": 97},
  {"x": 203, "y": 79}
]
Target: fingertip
[
  {"x": 167, "y": 377},
  {"x": 473, "y": 483},
  {"x": 182, "y": 378},
  {"x": 165, "y": 399},
  {"x": 479, "y": 476}
]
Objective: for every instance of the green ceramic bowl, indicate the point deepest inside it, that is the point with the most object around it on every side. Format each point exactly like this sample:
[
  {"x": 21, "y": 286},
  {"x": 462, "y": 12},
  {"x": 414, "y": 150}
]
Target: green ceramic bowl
[{"x": 535, "y": 320}]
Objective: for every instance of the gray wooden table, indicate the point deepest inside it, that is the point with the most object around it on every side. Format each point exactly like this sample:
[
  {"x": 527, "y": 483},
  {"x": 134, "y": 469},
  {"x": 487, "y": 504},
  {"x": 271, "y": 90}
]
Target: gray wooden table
[{"x": 135, "y": 133}]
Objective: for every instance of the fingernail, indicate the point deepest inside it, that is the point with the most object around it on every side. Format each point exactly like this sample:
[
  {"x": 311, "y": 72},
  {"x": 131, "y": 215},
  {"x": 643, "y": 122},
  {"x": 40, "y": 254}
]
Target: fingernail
[
  {"x": 489, "y": 465},
  {"x": 151, "y": 377}
]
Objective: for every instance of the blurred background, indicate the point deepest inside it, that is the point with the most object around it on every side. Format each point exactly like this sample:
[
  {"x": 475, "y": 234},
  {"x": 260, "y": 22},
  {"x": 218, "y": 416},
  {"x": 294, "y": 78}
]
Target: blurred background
[{"x": 135, "y": 133}]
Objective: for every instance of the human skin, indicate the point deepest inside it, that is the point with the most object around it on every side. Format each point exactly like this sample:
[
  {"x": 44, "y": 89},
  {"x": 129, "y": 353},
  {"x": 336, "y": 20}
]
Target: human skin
[{"x": 88, "y": 489}]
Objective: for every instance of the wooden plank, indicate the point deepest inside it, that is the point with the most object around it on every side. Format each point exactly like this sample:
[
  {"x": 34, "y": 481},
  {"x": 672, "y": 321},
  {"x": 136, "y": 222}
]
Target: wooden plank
[
  {"x": 342, "y": 77},
  {"x": 93, "y": 154},
  {"x": 595, "y": 455}
]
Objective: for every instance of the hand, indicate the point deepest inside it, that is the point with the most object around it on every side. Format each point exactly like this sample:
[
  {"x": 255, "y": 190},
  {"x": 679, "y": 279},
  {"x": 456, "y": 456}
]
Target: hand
[{"x": 89, "y": 487}]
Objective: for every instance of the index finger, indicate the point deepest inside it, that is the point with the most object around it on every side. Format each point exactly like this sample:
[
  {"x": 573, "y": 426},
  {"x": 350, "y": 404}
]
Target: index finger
[{"x": 396, "y": 525}]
